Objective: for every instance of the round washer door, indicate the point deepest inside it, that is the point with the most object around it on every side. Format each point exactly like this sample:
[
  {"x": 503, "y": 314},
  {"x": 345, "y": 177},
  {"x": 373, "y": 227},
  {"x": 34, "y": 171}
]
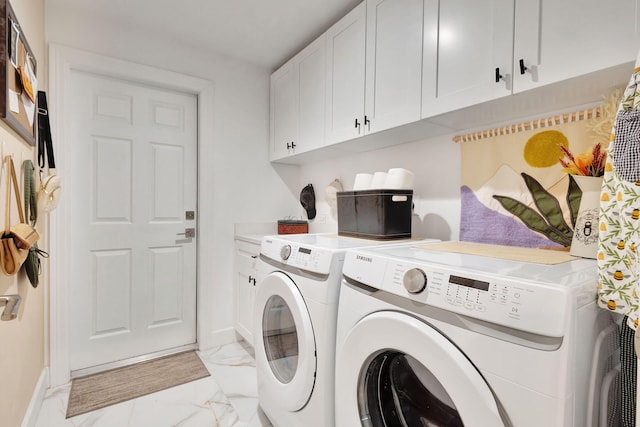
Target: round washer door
[
  {"x": 285, "y": 343},
  {"x": 395, "y": 370}
]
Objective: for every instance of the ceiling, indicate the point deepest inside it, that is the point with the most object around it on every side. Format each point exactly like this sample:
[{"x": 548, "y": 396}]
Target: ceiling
[{"x": 263, "y": 32}]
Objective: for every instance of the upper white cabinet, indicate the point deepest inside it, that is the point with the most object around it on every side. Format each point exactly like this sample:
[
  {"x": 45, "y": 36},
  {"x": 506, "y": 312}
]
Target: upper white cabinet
[
  {"x": 394, "y": 63},
  {"x": 467, "y": 47},
  {"x": 374, "y": 68},
  {"x": 345, "y": 76},
  {"x": 284, "y": 111},
  {"x": 483, "y": 50},
  {"x": 418, "y": 68},
  {"x": 297, "y": 103},
  {"x": 556, "y": 40}
]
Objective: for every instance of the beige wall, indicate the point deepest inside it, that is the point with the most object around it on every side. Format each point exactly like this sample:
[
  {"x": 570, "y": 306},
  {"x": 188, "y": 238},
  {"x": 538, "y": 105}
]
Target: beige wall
[{"x": 22, "y": 352}]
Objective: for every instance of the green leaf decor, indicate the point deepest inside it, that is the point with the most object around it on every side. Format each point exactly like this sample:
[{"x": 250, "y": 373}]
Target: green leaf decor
[{"x": 548, "y": 220}]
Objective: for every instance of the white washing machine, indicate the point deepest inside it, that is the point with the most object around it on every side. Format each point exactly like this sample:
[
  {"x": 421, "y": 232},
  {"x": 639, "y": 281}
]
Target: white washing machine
[
  {"x": 433, "y": 338},
  {"x": 296, "y": 308}
]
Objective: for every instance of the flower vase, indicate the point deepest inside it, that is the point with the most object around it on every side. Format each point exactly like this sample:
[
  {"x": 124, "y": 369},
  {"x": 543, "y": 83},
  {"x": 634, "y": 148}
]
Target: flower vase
[{"x": 585, "y": 233}]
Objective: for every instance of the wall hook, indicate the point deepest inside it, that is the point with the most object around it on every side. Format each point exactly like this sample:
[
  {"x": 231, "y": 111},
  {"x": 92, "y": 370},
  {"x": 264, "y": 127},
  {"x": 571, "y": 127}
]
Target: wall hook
[{"x": 11, "y": 305}]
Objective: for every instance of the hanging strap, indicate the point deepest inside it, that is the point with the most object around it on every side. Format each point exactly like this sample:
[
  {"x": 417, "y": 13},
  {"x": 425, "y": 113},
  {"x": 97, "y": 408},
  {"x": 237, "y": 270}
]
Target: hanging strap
[
  {"x": 30, "y": 197},
  {"x": 11, "y": 179},
  {"x": 628, "y": 375},
  {"x": 45, "y": 146}
]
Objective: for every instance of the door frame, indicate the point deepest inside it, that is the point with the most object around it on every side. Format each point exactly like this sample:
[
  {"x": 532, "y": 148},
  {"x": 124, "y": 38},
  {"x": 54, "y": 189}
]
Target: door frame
[{"x": 63, "y": 60}]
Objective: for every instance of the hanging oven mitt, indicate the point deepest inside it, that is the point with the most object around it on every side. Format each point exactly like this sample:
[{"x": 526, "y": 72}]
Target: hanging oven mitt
[{"x": 308, "y": 201}]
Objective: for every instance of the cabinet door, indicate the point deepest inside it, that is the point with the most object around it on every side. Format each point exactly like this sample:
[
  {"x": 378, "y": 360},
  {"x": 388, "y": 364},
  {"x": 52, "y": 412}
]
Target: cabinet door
[
  {"x": 560, "y": 39},
  {"x": 284, "y": 111},
  {"x": 345, "y": 76},
  {"x": 246, "y": 280},
  {"x": 394, "y": 63},
  {"x": 462, "y": 50},
  {"x": 311, "y": 75}
]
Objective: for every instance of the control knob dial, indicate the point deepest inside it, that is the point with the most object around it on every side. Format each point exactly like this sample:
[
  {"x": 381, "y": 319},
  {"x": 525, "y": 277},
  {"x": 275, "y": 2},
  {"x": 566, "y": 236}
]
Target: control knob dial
[
  {"x": 285, "y": 252},
  {"x": 414, "y": 280}
]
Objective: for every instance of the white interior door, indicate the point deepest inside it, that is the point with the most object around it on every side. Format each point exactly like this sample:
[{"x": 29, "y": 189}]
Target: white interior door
[{"x": 132, "y": 177}]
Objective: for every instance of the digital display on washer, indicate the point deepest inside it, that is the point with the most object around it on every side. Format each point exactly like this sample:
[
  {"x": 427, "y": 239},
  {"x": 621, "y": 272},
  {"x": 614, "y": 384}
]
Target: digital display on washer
[
  {"x": 469, "y": 283},
  {"x": 305, "y": 251}
]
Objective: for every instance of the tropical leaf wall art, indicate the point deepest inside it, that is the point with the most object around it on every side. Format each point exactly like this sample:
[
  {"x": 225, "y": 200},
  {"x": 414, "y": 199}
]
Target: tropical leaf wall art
[
  {"x": 518, "y": 189},
  {"x": 548, "y": 219},
  {"x": 515, "y": 192}
]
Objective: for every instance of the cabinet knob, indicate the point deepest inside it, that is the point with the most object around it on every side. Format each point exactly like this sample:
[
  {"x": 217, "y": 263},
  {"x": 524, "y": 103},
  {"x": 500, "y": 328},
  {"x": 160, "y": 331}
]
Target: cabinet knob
[
  {"x": 506, "y": 78},
  {"x": 357, "y": 125},
  {"x": 291, "y": 146},
  {"x": 531, "y": 69},
  {"x": 523, "y": 68},
  {"x": 252, "y": 280}
]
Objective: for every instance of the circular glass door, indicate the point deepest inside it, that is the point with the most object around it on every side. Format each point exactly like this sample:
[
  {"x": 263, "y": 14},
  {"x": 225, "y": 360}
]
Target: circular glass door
[
  {"x": 398, "y": 391},
  {"x": 395, "y": 370},
  {"x": 280, "y": 338},
  {"x": 284, "y": 344}
]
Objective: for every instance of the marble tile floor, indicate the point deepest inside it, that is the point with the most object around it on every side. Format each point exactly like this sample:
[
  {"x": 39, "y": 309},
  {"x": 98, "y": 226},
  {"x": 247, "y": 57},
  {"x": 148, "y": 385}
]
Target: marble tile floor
[{"x": 228, "y": 398}]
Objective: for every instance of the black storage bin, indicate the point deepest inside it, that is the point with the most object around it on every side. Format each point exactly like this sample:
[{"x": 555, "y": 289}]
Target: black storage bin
[{"x": 375, "y": 214}]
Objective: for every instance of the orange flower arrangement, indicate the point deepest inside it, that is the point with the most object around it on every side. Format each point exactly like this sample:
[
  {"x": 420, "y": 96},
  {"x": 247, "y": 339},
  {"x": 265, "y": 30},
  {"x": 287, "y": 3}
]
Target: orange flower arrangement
[{"x": 589, "y": 163}]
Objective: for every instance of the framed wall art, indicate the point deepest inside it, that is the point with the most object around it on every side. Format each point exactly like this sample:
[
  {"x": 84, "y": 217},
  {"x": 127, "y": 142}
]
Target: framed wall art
[{"x": 18, "y": 80}]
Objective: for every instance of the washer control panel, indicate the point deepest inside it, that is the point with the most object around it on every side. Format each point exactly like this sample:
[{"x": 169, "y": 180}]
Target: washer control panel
[
  {"x": 307, "y": 258},
  {"x": 515, "y": 303}
]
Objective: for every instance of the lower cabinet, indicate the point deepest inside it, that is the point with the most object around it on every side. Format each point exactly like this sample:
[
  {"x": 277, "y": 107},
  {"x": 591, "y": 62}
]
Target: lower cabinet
[{"x": 248, "y": 275}]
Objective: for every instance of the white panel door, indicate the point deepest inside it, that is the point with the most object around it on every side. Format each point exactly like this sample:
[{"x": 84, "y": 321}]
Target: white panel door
[
  {"x": 394, "y": 63},
  {"x": 132, "y": 177}
]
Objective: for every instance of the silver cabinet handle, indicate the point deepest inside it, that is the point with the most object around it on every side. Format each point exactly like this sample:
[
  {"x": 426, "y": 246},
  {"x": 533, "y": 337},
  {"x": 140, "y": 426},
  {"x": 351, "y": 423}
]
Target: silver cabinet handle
[
  {"x": 11, "y": 305},
  {"x": 188, "y": 233}
]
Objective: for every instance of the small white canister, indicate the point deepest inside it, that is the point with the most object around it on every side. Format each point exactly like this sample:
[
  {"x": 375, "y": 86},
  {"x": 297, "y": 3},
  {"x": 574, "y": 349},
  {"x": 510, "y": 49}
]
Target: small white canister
[
  {"x": 362, "y": 181},
  {"x": 379, "y": 180},
  {"x": 399, "y": 179}
]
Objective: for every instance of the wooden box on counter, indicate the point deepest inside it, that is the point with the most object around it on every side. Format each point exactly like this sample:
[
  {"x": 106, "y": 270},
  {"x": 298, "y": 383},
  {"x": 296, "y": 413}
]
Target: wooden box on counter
[{"x": 292, "y": 226}]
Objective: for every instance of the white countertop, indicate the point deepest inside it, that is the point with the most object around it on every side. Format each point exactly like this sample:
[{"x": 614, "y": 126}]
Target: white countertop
[{"x": 254, "y": 232}]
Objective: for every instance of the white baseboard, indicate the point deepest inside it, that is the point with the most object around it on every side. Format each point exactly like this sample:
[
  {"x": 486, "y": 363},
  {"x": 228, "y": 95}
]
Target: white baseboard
[
  {"x": 33, "y": 410},
  {"x": 218, "y": 338}
]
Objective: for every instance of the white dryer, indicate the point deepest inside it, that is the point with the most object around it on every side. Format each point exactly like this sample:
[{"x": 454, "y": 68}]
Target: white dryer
[
  {"x": 433, "y": 338},
  {"x": 296, "y": 308}
]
